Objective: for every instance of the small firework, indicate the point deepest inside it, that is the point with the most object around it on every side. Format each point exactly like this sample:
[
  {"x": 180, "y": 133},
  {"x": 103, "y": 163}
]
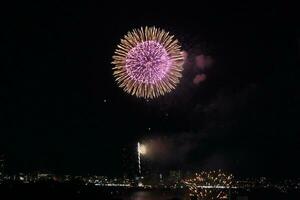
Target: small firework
[
  {"x": 148, "y": 62},
  {"x": 209, "y": 185}
]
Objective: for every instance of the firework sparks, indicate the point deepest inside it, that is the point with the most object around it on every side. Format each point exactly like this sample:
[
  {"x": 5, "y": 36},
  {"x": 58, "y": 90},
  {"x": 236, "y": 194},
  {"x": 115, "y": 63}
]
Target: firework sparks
[
  {"x": 210, "y": 185},
  {"x": 148, "y": 62},
  {"x": 142, "y": 149}
]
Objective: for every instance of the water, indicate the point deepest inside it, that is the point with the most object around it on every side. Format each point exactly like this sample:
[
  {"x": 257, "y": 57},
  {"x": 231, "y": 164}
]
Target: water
[
  {"x": 72, "y": 191},
  {"x": 155, "y": 195}
]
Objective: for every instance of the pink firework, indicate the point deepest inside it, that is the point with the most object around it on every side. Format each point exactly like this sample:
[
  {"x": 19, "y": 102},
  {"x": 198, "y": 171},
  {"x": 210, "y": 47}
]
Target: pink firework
[{"x": 148, "y": 62}]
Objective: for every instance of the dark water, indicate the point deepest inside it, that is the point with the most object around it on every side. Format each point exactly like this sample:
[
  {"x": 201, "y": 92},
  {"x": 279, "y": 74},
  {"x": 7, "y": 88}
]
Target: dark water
[
  {"x": 71, "y": 191},
  {"x": 154, "y": 195}
]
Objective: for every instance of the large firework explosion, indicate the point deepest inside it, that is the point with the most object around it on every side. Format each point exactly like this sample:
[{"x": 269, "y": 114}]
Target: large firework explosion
[
  {"x": 148, "y": 62},
  {"x": 209, "y": 185}
]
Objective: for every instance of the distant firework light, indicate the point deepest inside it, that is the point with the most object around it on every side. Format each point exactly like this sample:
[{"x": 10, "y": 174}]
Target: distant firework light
[
  {"x": 148, "y": 62},
  {"x": 210, "y": 185}
]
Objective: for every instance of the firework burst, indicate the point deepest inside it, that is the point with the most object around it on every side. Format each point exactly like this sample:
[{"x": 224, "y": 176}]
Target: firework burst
[
  {"x": 148, "y": 62},
  {"x": 209, "y": 185}
]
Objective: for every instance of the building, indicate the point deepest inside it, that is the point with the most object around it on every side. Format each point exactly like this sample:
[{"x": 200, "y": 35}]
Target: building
[
  {"x": 129, "y": 161},
  {"x": 174, "y": 176}
]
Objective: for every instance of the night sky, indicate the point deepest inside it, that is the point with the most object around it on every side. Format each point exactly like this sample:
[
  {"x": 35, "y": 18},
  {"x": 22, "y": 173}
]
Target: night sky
[{"x": 62, "y": 111}]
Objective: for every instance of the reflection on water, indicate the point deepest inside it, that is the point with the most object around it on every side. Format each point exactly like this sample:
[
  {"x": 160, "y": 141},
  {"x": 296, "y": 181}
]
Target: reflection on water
[
  {"x": 143, "y": 196},
  {"x": 147, "y": 195}
]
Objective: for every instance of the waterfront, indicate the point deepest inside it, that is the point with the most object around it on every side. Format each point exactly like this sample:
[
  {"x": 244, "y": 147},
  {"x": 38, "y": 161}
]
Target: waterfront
[{"x": 72, "y": 191}]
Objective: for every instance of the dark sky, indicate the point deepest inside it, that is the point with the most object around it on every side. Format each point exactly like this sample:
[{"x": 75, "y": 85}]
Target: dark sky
[{"x": 62, "y": 111}]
